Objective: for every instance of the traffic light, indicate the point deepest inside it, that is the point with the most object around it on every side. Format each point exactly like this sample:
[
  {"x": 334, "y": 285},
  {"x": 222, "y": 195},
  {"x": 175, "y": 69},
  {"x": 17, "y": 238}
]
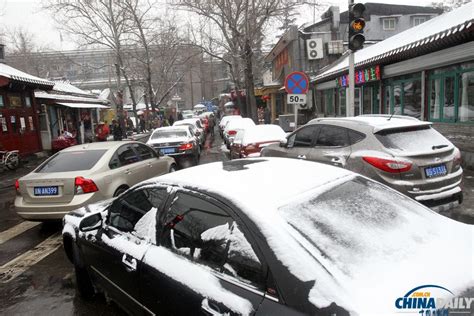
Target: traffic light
[{"x": 356, "y": 26}]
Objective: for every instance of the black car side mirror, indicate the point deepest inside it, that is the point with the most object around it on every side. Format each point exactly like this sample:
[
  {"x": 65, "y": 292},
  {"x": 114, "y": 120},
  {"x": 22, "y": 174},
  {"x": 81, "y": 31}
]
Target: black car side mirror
[{"x": 92, "y": 222}]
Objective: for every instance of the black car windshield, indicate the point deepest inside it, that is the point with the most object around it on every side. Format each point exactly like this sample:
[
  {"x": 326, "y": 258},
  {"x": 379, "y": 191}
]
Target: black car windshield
[
  {"x": 355, "y": 218},
  {"x": 169, "y": 134},
  {"x": 72, "y": 161},
  {"x": 412, "y": 139}
]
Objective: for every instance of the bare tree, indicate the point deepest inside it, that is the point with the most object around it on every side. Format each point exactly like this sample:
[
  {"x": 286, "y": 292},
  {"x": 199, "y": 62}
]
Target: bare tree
[
  {"x": 102, "y": 23},
  {"x": 241, "y": 24},
  {"x": 448, "y": 5}
]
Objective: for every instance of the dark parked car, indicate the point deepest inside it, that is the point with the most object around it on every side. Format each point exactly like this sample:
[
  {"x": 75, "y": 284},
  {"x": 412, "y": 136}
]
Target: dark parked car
[
  {"x": 399, "y": 151},
  {"x": 285, "y": 243},
  {"x": 178, "y": 142}
]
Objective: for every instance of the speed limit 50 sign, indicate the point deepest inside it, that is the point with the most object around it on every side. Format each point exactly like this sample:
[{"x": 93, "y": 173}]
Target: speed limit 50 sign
[{"x": 296, "y": 99}]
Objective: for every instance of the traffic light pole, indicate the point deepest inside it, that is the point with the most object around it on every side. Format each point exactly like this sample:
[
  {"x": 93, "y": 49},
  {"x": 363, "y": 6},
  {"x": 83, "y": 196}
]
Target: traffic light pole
[{"x": 350, "y": 94}]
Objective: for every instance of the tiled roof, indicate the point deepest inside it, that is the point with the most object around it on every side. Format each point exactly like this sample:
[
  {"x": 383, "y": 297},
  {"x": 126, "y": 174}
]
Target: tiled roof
[{"x": 17, "y": 75}]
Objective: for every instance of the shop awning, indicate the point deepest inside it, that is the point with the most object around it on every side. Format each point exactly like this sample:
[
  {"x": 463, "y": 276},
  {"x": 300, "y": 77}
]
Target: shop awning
[{"x": 84, "y": 105}]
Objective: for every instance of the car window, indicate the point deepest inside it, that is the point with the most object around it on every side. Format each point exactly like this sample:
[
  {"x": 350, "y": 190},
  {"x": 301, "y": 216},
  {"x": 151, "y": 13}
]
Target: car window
[
  {"x": 355, "y": 137},
  {"x": 136, "y": 212},
  {"x": 303, "y": 137},
  {"x": 126, "y": 155},
  {"x": 332, "y": 136},
  {"x": 71, "y": 161},
  {"x": 412, "y": 139},
  {"x": 144, "y": 152},
  {"x": 207, "y": 234}
]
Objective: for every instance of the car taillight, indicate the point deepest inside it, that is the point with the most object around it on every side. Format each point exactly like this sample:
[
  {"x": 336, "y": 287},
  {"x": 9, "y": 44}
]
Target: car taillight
[
  {"x": 85, "y": 185},
  {"x": 186, "y": 146},
  {"x": 231, "y": 133},
  {"x": 17, "y": 186},
  {"x": 457, "y": 157},
  {"x": 389, "y": 165},
  {"x": 251, "y": 147}
]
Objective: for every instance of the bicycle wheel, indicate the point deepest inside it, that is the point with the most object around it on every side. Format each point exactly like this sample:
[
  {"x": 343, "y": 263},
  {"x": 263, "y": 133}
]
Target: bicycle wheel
[{"x": 12, "y": 161}]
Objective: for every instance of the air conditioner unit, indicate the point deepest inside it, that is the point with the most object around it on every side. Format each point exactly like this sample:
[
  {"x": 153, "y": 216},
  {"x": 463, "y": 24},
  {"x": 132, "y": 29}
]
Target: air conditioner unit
[{"x": 314, "y": 48}]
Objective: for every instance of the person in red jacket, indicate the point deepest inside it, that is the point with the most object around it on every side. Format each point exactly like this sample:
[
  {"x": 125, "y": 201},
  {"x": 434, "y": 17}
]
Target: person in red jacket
[{"x": 102, "y": 131}]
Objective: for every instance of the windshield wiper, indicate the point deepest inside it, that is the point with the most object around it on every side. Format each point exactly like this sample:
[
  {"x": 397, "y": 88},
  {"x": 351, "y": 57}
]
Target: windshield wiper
[{"x": 438, "y": 146}]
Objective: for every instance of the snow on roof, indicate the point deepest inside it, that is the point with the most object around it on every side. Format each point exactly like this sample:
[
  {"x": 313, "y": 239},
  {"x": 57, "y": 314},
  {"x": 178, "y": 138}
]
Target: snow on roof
[
  {"x": 413, "y": 37},
  {"x": 15, "y": 74},
  {"x": 39, "y": 94},
  {"x": 64, "y": 86},
  {"x": 379, "y": 122},
  {"x": 362, "y": 252},
  {"x": 242, "y": 123}
]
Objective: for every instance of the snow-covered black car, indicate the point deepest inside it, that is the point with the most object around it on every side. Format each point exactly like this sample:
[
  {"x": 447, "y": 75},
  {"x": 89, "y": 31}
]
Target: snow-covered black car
[{"x": 315, "y": 240}]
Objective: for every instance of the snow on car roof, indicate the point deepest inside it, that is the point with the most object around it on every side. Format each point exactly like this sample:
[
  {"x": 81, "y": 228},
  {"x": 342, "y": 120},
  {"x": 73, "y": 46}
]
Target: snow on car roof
[
  {"x": 240, "y": 123},
  {"x": 280, "y": 178},
  {"x": 263, "y": 133},
  {"x": 364, "y": 256},
  {"x": 378, "y": 122},
  {"x": 99, "y": 145},
  {"x": 186, "y": 121}
]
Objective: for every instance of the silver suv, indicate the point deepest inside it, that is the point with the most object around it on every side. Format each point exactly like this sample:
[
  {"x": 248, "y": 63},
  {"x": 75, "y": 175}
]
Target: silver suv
[{"x": 401, "y": 152}]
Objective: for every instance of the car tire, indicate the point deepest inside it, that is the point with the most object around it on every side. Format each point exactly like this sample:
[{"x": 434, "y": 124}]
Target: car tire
[
  {"x": 83, "y": 281},
  {"x": 173, "y": 168},
  {"x": 120, "y": 190}
]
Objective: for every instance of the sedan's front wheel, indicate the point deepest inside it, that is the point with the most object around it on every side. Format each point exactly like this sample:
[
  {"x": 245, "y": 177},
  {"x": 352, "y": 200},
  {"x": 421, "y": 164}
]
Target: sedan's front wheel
[{"x": 172, "y": 168}]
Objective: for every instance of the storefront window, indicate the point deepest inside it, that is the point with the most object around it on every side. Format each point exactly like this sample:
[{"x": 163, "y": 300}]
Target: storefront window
[
  {"x": 412, "y": 98},
  {"x": 397, "y": 100},
  {"x": 2, "y": 103},
  {"x": 466, "y": 97},
  {"x": 357, "y": 101},
  {"x": 367, "y": 100},
  {"x": 435, "y": 93},
  {"x": 448, "y": 105},
  {"x": 329, "y": 103},
  {"x": 342, "y": 102},
  {"x": 15, "y": 101},
  {"x": 3, "y": 125},
  {"x": 376, "y": 100},
  {"x": 28, "y": 102},
  {"x": 388, "y": 99}
]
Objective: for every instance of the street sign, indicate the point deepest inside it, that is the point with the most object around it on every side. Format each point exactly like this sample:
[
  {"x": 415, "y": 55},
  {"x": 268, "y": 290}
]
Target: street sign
[
  {"x": 176, "y": 98},
  {"x": 296, "y": 83},
  {"x": 296, "y": 99}
]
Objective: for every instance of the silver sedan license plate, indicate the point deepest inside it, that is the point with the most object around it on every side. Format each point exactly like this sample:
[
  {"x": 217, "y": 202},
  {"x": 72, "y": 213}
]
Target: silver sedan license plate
[{"x": 45, "y": 191}]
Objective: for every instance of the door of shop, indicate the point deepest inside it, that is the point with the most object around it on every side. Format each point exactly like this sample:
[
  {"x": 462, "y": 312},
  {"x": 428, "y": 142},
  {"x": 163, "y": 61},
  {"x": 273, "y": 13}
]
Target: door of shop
[{"x": 19, "y": 130}]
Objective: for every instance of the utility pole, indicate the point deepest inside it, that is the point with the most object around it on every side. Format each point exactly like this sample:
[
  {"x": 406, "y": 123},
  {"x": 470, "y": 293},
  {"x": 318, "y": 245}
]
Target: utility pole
[{"x": 350, "y": 92}]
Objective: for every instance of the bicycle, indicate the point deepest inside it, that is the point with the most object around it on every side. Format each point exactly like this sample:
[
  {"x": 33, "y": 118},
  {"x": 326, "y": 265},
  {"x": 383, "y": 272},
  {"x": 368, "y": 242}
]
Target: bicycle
[{"x": 9, "y": 159}]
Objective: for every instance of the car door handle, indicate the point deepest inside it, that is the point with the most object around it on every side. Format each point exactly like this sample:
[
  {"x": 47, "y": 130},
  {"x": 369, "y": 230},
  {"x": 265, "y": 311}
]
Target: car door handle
[
  {"x": 129, "y": 262},
  {"x": 128, "y": 171},
  {"x": 210, "y": 308},
  {"x": 301, "y": 156},
  {"x": 150, "y": 165},
  {"x": 335, "y": 159}
]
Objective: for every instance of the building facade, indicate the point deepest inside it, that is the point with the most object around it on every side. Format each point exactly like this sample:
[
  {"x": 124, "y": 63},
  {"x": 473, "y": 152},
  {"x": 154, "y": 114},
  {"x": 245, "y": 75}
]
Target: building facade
[
  {"x": 19, "y": 125},
  {"x": 313, "y": 47},
  {"x": 426, "y": 72}
]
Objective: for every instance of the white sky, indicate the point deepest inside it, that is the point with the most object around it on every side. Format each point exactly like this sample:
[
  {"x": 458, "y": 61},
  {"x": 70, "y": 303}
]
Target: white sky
[{"x": 28, "y": 14}]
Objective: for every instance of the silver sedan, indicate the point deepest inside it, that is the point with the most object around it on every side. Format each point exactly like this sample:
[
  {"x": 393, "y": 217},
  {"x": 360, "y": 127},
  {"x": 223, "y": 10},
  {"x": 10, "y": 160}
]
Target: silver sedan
[{"x": 85, "y": 174}]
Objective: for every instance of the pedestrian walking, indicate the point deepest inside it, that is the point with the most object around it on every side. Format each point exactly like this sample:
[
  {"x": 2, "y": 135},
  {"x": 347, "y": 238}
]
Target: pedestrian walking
[
  {"x": 102, "y": 131},
  {"x": 171, "y": 120},
  {"x": 212, "y": 124},
  {"x": 117, "y": 130}
]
